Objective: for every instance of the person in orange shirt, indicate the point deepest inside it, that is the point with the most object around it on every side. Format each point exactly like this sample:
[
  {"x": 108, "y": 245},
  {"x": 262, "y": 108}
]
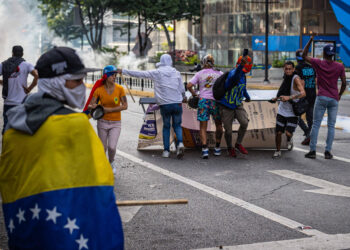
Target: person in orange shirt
[{"x": 112, "y": 98}]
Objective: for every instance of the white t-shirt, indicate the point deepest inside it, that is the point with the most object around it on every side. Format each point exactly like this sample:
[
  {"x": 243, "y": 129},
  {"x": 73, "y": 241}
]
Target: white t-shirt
[{"x": 16, "y": 82}]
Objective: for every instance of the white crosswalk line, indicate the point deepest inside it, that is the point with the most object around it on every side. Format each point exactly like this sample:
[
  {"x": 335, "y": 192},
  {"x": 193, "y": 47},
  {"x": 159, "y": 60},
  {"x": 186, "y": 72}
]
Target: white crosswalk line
[
  {"x": 328, "y": 188},
  {"x": 327, "y": 242},
  {"x": 219, "y": 194}
]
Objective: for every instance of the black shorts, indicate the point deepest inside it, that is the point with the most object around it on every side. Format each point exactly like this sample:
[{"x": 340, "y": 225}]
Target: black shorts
[{"x": 286, "y": 123}]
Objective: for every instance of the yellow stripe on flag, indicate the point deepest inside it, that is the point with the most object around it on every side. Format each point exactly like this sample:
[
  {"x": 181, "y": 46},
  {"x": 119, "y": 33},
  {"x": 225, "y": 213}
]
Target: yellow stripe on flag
[{"x": 64, "y": 153}]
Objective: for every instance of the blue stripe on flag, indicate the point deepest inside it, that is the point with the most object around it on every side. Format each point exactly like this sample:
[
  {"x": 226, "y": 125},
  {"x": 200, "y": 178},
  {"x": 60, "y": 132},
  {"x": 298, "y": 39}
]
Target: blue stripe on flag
[{"x": 76, "y": 218}]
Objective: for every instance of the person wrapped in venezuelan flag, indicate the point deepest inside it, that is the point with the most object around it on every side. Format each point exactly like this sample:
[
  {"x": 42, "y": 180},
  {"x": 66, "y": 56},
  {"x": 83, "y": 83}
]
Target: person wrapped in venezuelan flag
[{"x": 56, "y": 183}]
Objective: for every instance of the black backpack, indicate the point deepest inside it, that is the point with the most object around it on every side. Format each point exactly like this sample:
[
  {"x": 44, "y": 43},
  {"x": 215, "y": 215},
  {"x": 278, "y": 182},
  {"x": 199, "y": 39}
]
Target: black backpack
[{"x": 219, "y": 89}]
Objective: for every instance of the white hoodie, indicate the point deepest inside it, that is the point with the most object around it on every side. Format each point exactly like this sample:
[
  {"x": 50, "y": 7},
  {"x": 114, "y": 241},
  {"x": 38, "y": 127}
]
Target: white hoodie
[{"x": 168, "y": 85}]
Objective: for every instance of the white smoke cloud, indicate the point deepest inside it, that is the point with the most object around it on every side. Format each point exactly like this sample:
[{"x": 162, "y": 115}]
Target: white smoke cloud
[{"x": 22, "y": 23}]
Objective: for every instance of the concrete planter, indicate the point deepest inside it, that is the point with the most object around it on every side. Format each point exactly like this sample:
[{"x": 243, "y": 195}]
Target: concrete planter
[{"x": 274, "y": 73}]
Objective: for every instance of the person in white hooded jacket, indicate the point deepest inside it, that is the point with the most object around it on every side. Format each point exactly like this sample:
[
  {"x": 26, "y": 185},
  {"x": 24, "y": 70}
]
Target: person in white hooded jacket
[{"x": 169, "y": 92}]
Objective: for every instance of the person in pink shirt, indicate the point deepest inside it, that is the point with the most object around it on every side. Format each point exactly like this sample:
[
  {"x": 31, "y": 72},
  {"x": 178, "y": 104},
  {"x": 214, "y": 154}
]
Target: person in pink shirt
[
  {"x": 207, "y": 105},
  {"x": 328, "y": 72}
]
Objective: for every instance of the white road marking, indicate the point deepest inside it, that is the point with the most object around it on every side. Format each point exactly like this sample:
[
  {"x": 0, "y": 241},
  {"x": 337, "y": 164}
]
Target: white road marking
[
  {"x": 127, "y": 213},
  {"x": 236, "y": 201},
  {"x": 328, "y": 188},
  {"x": 331, "y": 242},
  {"x": 320, "y": 154}
]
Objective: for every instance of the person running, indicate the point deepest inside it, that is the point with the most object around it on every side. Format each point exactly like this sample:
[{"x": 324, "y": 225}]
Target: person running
[
  {"x": 15, "y": 71},
  {"x": 55, "y": 178},
  {"x": 328, "y": 72},
  {"x": 207, "y": 105},
  {"x": 290, "y": 90},
  {"x": 307, "y": 73},
  {"x": 112, "y": 98},
  {"x": 169, "y": 92},
  {"x": 231, "y": 105}
]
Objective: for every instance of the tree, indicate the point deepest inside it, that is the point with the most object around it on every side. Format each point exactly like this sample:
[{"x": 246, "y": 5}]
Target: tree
[
  {"x": 151, "y": 13},
  {"x": 90, "y": 13}
]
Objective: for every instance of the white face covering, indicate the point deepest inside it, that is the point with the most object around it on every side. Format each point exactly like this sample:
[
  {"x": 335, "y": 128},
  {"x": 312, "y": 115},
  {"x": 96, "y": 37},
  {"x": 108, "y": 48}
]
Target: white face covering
[
  {"x": 75, "y": 97},
  {"x": 56, "y": 88}
]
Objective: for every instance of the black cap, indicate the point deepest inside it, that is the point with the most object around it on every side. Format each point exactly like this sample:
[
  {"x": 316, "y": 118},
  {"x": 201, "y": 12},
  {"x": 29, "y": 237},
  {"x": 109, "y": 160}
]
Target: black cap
[
  {"x": 17, "y": 50},
  {"x": 329, "y": 49},
  {"x": 60, "y": 61}
]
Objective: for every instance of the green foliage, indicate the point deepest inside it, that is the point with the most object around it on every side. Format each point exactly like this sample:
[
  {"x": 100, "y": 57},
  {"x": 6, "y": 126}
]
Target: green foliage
[
  {"x": 192, "y": 59},
  {"x": 279, "y": 63},
  {"x": 111, "y": 54}
]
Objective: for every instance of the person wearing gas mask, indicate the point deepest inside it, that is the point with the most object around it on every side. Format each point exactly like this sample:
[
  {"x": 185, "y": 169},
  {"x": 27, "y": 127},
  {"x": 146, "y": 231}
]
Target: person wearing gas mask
[{"x": 54, "y": 175}]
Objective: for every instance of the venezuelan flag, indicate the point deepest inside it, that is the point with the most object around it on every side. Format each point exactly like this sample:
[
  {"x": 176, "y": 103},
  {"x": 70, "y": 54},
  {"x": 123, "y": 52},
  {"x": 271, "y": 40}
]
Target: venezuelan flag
[{"x": 57, "y": 188}]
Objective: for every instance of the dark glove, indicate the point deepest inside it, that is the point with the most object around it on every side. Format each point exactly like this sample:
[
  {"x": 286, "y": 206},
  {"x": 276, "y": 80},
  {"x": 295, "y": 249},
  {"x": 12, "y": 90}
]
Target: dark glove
[
  {"x": 272, "y": 101},
  {"x": 247, "y": 100}
]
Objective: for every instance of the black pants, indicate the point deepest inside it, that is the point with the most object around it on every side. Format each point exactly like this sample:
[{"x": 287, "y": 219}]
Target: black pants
[{"x": 309, "y": 118}]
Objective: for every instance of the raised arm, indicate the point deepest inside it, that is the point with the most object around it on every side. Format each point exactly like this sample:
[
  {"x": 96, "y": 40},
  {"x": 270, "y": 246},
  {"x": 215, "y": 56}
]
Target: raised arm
[
  {"x": 306, "y": 50},
  {"x": 139, "y": 74}
]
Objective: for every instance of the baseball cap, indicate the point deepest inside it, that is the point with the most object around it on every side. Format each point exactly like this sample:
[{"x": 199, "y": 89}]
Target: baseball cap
[
  {"x": 109, "y": 70},
  {"x": 60, "y": 61},
  {"x": 17, "y": 50},
  {"x": 329, "y": 49},
  {"x": 299, "y": 55}
]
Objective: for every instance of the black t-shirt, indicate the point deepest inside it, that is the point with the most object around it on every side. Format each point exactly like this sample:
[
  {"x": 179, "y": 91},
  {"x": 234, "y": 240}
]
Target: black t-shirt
[{"x": 308, "y": 74}]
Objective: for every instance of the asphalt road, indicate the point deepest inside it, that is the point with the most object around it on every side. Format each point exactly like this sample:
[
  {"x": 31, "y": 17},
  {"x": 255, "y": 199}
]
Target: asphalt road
[{"x": 233, "y": 202}]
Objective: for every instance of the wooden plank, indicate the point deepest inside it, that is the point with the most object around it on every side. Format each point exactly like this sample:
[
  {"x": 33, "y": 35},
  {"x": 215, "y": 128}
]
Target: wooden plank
[{"x": 151, "y": 202}]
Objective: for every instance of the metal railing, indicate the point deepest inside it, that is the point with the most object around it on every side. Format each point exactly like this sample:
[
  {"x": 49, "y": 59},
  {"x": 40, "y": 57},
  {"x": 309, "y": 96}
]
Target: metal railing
[{"x": 133, "y": 82}]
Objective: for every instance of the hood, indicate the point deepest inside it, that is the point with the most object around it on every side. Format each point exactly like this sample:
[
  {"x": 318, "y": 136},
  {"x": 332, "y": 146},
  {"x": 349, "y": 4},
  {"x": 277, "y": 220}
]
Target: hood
[
  {"x": 29, "y": 116},
  {"x": 165, "y": 65}
]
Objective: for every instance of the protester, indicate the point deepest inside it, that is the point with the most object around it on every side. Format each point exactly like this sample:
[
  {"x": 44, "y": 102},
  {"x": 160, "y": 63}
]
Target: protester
[
  {"x": 231, "y": 105},
  {"x": 291, "y": 90},
  {"x": 308, "y": 75},
  {"x": 328, "y": 72},
  {"x": 112, "y": 98},
  {"x": 55, "y": 179},
  {"x": 169, "y": 92},
  {"x": 207, "y": 105},
  {"x": 15, "y": 71}
]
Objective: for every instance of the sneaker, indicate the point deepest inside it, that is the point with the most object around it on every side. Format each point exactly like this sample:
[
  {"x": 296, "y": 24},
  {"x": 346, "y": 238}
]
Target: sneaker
[
  {"x": 232, "y": 152},
  {"x": 328, "y": 155},
  {"x": 241, "y": 149},
  {"x": 165, "y": 154},
  {"x": 277, "y": 154},
  {"x": 306, "y": 141},
  {"x": 311, "y": 155},
  {"x": 290, "y": 144},
  {"x": 180, "y": 150},
  {"x": 217, "y": 151},
  {"x": 205, "y": 153},
  {"x": 114, "y": 167}
]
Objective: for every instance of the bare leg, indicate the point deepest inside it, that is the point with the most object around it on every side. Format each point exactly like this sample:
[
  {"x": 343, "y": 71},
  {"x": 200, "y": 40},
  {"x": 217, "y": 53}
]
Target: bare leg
[
  {"x": 203, "y": 131},
  {"x": 278, "y": 140},
  {"x": 219, "y": 131}
]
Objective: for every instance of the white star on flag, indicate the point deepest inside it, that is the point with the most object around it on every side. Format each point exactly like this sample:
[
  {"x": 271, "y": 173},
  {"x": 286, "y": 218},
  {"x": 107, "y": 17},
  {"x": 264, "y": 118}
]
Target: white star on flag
[
  {"x": 11, "y": 226},
  {"x": 52, "y": 214},
  {"x": 71, "y": 225},
  {"x": 20, "y": 216},
  {"x": 36, "y": 210},
  {"x": 82, "y": 242}
]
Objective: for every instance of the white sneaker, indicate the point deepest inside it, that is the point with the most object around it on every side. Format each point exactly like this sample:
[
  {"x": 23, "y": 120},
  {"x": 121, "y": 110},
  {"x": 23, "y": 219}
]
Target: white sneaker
[
  {"x": 165, "y": 154},
  {"x": 277, "y": 154},
  {"x": 180, "y": 150},
  {"x": 114, "y": 167},
  {"x": 290, "y": 144}
]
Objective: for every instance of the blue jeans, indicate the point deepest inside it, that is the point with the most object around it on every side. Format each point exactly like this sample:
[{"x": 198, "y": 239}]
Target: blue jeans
[
  {"x": 174, "y": 112},
  {"x": 6, "y": 108},
  {"x": 322, "y": 103}
]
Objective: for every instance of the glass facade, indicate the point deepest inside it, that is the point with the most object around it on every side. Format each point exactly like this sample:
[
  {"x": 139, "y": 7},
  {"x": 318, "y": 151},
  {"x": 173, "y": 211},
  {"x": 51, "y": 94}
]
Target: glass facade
[{"x": 229, "y": 26}]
